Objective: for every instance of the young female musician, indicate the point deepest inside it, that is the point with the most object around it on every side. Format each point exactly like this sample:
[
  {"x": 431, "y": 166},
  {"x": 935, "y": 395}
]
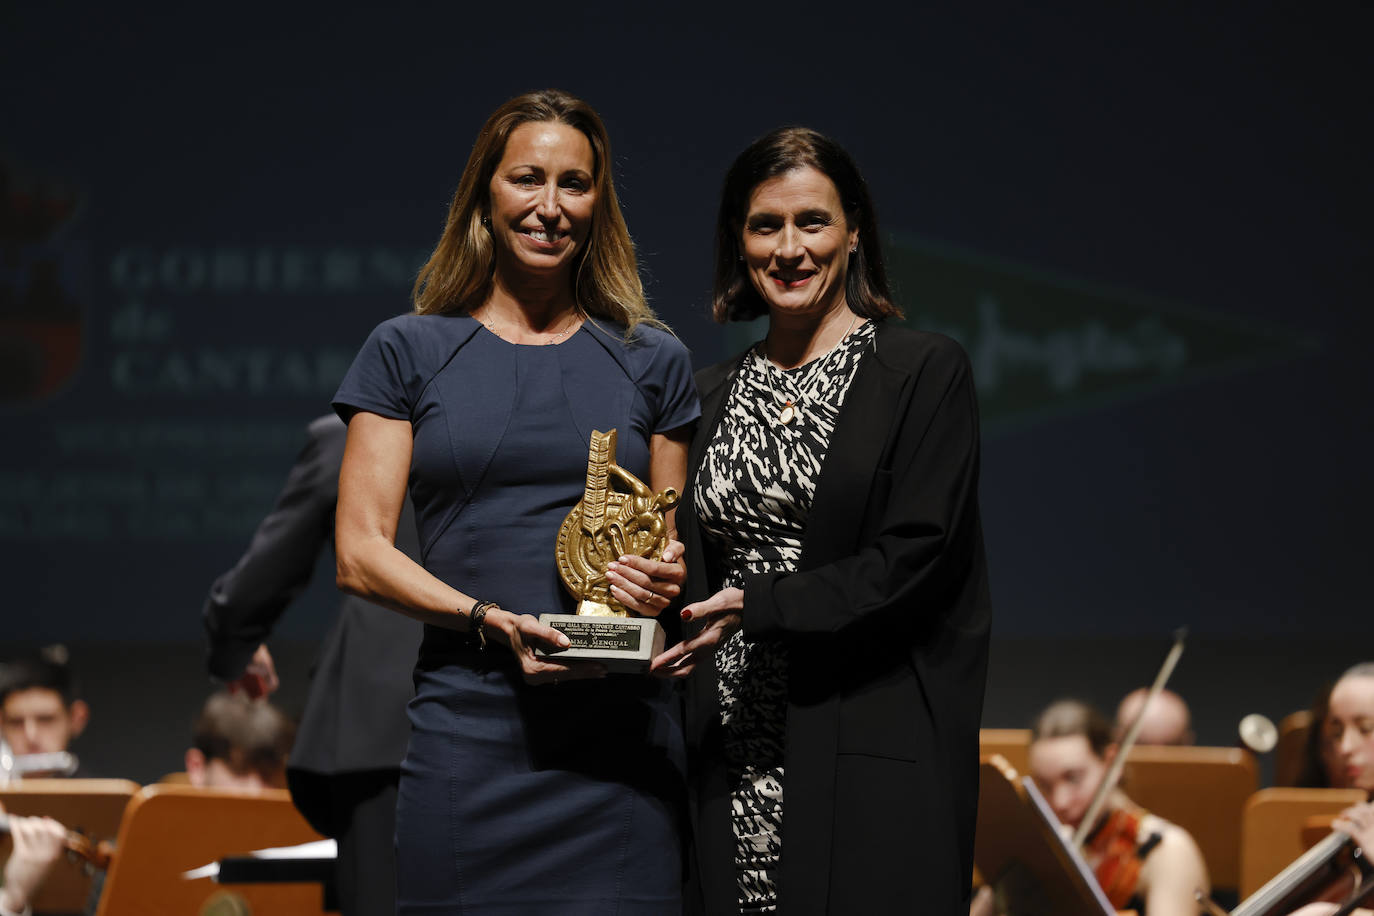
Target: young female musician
[
  {"x": 1346, "y": 745},
  {"x": 1142, "y": 861}
]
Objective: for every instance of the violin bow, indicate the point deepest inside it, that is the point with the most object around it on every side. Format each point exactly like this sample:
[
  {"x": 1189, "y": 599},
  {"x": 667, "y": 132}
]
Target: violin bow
[{"x": 1085, "y": 826}]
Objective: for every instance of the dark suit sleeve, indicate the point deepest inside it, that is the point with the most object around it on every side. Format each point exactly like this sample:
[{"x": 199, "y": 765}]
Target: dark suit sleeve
[
  {"x": 928, "y": 543},
  {"x": 246, "y": 601}
]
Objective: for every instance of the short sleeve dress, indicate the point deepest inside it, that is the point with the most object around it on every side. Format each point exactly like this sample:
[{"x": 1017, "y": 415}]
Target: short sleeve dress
[{"x": 517, "y": 799}]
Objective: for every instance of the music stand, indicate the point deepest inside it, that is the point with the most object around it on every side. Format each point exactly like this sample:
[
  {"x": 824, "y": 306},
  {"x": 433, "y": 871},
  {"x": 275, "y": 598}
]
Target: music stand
[
  {"x": 172, "y": 829},
  {"x": 306, "y": 864},
  {"x": 1019, "y": 850},
  {"x": 92, "y": 807}
]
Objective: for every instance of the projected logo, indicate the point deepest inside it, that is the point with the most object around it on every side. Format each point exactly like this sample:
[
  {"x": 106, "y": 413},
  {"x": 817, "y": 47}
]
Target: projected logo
[
  {"x": 40, "y": 319},
  {"x": 1043, "y": 345}
]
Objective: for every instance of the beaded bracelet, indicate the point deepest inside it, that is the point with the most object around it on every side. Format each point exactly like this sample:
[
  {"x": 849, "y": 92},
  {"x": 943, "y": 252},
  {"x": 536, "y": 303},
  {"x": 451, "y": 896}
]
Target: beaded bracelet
[{"x": 476, "y": 616}]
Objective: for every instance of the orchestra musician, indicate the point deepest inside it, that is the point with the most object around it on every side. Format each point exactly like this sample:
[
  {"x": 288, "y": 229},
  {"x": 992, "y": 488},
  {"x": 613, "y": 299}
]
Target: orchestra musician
[
  {"x": 1357, "y": 821},
  {"x": 1340, "y": 746},
  {"x": 1142, "y": 862},
  {"x": 41, "y": 711},
  {"x": 1166, "y": 720},
  {"x": 1345, "y": 742}
]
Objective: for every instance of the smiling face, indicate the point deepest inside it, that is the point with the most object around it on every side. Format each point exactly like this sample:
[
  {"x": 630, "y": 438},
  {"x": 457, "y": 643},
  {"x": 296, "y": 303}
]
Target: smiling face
[
  {"x": 1348, "y": 734},
  {"x": 541, "y": 198},
  {"x": 1067, "y": 772},
  {"x": 797, "y": 244}
]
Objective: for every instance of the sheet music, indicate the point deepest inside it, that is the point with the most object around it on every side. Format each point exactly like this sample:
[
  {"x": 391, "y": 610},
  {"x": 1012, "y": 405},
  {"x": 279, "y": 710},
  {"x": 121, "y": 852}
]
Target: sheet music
[{"x": 316, "y": 849}]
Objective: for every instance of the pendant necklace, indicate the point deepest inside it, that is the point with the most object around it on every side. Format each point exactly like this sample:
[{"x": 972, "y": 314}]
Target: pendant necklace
[{"x": 792, "y": 408}]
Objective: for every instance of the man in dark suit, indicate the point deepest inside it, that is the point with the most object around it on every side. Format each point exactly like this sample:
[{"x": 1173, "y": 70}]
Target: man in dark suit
[{"x": 345, "y": 765}]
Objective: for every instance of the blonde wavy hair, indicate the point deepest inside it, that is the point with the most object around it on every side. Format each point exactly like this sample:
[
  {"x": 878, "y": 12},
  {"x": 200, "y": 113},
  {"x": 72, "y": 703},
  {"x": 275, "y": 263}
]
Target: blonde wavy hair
[{"x": 458, "y": 275}]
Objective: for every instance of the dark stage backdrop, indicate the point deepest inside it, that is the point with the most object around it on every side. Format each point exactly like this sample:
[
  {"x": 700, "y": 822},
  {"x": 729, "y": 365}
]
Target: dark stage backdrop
[{"x": 1150, "y": 228}]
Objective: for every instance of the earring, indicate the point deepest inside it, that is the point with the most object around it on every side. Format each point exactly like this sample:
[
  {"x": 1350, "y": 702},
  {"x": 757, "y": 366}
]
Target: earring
[{"x": 854, "y": 250}]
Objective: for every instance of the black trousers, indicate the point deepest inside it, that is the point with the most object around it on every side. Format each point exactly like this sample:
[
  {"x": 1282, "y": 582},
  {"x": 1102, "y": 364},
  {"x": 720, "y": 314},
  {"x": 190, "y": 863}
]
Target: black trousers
[{"x": 359, "y": 811}]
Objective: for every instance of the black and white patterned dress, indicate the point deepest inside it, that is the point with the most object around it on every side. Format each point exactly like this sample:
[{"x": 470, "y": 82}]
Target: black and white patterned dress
[{"x": 753, "y": 495}]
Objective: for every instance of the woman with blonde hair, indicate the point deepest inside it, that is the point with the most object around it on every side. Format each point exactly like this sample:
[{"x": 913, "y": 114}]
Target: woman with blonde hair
[{"x": 529, "y": 785}]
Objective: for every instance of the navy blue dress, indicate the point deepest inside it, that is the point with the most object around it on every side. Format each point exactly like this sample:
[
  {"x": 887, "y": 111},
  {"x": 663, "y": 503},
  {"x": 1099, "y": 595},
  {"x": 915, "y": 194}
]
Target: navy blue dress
[{"x": 517, "y": 799}]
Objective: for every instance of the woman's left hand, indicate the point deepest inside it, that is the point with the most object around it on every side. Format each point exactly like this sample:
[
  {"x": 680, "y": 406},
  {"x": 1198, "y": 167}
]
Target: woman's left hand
[
  {"x": 720, "y": 615},
  {"x": 647, "y": 586}
]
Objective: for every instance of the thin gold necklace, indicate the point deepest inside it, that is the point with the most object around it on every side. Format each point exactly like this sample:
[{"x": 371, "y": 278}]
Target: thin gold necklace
[
  {"x": 792, "y": 408},
  {"x": 576, "y": 317}
]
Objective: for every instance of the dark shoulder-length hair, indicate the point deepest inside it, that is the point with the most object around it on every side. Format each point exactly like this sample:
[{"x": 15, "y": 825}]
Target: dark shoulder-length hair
[
  {"x": 458, "y": 275},
  {"x": 1314, "y": 773},
  {"x": 774, "y": 154}
]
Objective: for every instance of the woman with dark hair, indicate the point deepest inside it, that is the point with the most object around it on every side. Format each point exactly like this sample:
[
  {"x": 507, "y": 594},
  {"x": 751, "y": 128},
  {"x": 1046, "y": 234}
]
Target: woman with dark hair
[
  {"x": 1345, "y": 730},
  {"x": 529, "y": 785},
  {"x": 838, "y": 589},
  {"x": 1320, "y": 767},
  {"x": 1343, "y": 746},
  {"x": 1339, "y": 749}
]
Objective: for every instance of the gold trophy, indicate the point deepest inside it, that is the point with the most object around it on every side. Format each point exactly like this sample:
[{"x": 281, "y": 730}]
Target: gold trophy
[{"x": 617, "y": 516}]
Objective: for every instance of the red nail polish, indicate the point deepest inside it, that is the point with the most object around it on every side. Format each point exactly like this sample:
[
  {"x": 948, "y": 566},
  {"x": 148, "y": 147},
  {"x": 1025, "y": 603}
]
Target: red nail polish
[{"x": 686, "y": 614}]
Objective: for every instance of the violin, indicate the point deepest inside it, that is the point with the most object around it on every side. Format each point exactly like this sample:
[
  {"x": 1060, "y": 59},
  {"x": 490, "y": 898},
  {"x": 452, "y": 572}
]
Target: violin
[
  {"x": 1114, "y": 846},
  {"x": 97, "y": 855}
]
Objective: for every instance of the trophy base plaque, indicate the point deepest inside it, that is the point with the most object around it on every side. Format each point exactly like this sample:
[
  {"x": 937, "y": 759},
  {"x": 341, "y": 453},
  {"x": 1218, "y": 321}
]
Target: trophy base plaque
[
  {"x": 618, "y": 515},
  {"x": 625, "y": 645}
]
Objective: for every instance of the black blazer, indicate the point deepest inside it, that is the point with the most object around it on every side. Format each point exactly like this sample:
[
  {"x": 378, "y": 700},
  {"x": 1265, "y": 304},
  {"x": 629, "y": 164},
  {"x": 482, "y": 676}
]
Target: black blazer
[
  {"x": 354, "y": 717},
  {"x": 886, "y": 623}
]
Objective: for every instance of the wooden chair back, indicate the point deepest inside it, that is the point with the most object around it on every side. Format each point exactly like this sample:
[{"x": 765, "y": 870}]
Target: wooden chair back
[
  {"x": 1012, "y": 744},
  {"x": 1290, "y": 754},
  {"x": 1273, "y": 824},
  {"x": 171, "y": 829},
  {"x": 92, "y": 807},
  {"x": 1201, "y": 789},
  {"x": 1315, "y": 829}
]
